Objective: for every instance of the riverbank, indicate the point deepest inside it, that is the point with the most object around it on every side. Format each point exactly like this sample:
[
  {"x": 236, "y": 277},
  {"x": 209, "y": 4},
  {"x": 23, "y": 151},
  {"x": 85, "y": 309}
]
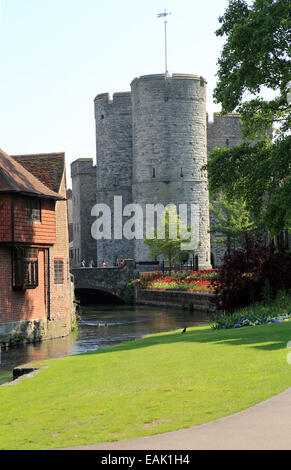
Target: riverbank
[
  {"x": 161, "y": 383},
  {"x": 192, "y": 301},
  {"x": 99, "y": 327}
]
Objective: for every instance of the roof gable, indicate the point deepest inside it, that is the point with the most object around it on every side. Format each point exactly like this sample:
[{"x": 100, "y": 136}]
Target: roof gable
[{"x": 14, "y": 178}]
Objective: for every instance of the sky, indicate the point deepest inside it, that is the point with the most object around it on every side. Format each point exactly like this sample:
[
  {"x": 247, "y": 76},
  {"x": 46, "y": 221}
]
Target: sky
[{"x": 57, "y": 55}]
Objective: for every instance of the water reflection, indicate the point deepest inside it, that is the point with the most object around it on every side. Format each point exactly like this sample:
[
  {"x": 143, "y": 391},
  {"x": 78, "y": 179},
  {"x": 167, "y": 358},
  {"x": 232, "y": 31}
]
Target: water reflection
[{"x": 100, "y": 326}]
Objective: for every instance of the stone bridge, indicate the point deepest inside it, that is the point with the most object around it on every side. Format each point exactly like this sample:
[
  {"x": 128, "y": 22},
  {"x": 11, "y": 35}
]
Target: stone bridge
[{"x": 112, "y": 280}]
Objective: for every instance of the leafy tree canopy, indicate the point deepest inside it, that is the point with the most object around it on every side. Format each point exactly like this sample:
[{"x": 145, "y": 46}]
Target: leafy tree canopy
[
  {"x": 254, "y": 58},
  {"x": 168, "y": 239},
  {"x": 233, "y": 222}
]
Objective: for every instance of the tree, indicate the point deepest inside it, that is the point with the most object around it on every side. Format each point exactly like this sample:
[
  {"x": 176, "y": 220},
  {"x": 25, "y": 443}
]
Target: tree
[
  {"x": 168, "y": 239},
  {"x": 255, "y": 57},
  {"x": 233, "y": 222}
]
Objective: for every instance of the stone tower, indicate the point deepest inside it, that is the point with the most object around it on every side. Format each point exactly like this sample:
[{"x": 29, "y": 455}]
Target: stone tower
[
  {"x": 224, "y": 131},
  {"x": 170, "y": 147},
  {"x": 151, "y": 144},
  {"x": 114, "y": 165},
  {"x": 83, "y": 175}
]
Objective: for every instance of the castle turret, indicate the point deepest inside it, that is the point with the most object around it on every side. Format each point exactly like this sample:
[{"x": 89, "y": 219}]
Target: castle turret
[
  {"x": 83, "y": 174},
  {"x": 114, "y": 166},
  {"x": 170, "y": 147},
  {"x": 224, "y": 131}
]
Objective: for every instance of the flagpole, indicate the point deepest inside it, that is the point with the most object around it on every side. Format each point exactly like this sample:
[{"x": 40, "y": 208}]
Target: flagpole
[
  {"x": 166, "y": 50},
  {"x": 164, "y": 15}
]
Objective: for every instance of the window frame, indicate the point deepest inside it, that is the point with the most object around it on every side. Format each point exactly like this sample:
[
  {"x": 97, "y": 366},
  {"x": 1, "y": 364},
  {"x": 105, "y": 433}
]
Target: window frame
[
  {"x": 59, "y": 280},
  {"x": 30, "y": 268},
  {"x": 25, "y": 268},
  {"x": 34, "y": 217}
]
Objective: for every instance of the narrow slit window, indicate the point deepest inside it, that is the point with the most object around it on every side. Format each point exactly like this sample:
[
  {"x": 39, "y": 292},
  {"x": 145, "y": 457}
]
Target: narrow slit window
[{"x": 154, "y": 173}]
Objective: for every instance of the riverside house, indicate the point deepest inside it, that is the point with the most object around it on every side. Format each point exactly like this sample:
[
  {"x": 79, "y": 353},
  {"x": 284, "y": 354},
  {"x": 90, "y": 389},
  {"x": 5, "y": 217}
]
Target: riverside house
[{"x": 36, "y": 300}]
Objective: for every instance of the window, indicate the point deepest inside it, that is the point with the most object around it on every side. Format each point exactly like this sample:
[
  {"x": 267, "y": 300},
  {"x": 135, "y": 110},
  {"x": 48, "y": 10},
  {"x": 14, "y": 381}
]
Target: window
[
  {"x": 34, "y": 210},
  {"x": 59, "y": 271},
  {"x": 227, "y": 142},
  {"x": 17, "y": 268},
  {"x": 24, "y": 268},
  {"x": 181, "y": 173},
  {"x": 154, "y": 173},
  {"x": 115, "y": 180},
  {"x": 30, "y": 268}
]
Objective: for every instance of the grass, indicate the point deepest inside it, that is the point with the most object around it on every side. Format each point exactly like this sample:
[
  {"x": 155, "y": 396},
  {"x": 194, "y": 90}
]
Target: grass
[{"x": 161, "y": 383}]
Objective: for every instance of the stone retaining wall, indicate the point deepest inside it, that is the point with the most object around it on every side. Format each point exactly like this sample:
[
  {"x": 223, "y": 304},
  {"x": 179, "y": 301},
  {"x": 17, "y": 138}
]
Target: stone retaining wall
[{"x": 195, "y": 301}]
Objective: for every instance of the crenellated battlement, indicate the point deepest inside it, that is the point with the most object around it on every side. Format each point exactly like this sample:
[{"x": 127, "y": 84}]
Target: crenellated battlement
[
  {"x": 150, "y": 145},
  {"x": 174, "y": 76},
  {"x": 218, "y": 117},
  {"x": 82, "y": 166},
  {"x": 116, "y": 98}
]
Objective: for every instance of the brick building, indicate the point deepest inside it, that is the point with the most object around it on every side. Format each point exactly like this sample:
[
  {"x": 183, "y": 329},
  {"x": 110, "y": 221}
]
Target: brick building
[{"x": 36, "y": 300}]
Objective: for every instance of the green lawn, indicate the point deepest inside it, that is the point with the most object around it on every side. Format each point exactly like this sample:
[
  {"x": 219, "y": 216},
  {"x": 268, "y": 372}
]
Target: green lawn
[{"x": 161, "y": 383}]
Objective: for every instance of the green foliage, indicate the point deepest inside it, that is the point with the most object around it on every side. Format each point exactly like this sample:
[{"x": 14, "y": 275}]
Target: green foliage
[
  {"x": 75, "y": 326},
  {"x": 261, "y": 313},
  {"x": 167, "y": 239},
  {"x": 129, "y": 293},
  {"x": 255, "y": 57},
  {"x": 233, "y": 222},
  {"x": 258, "y": 175}
]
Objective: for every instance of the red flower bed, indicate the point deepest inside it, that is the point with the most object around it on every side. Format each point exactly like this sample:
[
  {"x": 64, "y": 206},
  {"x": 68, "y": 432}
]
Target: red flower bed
[{"x": 192, "y": 281}]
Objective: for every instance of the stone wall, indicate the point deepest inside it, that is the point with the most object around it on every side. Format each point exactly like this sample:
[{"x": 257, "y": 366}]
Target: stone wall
[
  {"x": 114, "y": 167},
  {"x": 196, "y": 302},
  {"x": 32, "y": 331},
  {"x": 111, "y": 279},
  {"x": 83, "y": 174},
  {"x": 151, "y": 144},
  {"x": 224, "y": 131}
]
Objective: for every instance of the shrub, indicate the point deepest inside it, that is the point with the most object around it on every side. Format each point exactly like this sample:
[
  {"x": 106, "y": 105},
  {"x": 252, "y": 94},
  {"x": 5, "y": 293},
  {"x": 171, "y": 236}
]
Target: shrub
[
  {"x": 254, "y": 274},
  {"x": 276, "y": 311}
]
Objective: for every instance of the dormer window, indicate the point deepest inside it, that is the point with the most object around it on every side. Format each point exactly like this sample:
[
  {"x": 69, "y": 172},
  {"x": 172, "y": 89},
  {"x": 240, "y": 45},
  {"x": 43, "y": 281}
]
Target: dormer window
[{"x": 34, "y": 210}]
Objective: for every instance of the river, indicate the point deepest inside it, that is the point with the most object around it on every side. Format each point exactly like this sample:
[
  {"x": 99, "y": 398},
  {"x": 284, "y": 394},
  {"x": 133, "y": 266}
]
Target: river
[{"x": 98, "y": 327}]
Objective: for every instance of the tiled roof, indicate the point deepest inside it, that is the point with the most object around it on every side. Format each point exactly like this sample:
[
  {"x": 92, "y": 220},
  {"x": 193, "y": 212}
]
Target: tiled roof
[
  {"x": 46, "y": 167},
  {"x": 14, "y": 178}
]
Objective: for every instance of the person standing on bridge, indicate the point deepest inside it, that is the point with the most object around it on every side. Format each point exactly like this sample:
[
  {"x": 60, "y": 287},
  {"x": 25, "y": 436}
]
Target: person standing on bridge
[
  {"x": 91, "y": 264},
  {"x": 104, "y": 264},
  {"x": 116, "y": 261},
  {"x": 83, "y": 263}
]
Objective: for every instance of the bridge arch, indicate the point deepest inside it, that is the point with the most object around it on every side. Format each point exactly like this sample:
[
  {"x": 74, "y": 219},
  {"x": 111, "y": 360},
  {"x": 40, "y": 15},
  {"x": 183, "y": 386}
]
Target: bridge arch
[
  {"x": 97, "y": 295},
  {"x": 110, "y": 281}
]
